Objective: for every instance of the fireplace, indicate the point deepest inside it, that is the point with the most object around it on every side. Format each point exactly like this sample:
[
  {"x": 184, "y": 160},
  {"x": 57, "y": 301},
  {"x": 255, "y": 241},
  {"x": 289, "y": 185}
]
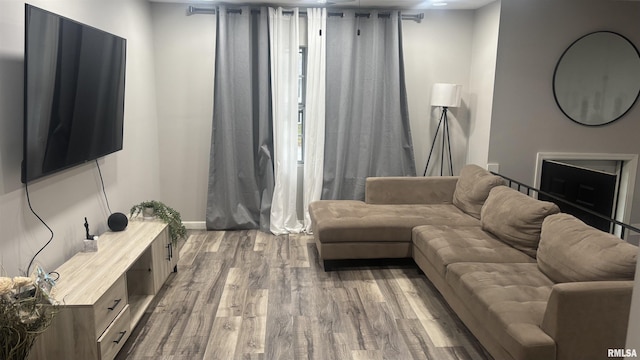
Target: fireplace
[
  {"x": 589, "y": 188},
  {"x": 602, "y": 183}
]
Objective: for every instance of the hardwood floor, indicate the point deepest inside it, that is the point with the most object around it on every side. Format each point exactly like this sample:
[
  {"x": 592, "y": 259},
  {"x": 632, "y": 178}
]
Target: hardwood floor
[{"x": 252, "y": 295}]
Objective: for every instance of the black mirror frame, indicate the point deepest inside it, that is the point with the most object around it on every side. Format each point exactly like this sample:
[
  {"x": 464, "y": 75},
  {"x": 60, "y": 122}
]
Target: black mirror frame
[{"x": 553, "y": 83}]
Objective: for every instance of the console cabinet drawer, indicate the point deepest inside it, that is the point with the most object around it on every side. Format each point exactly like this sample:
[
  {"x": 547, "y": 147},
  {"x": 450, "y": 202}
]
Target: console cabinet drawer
[
  {"x": 116, "y": 335},
  {"x": 104, "y": 294},
  {"x": 110, "y": 304}
]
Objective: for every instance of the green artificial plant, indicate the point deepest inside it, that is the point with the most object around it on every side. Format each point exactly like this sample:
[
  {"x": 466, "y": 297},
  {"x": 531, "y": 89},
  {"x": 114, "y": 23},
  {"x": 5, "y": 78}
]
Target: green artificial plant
[{"x": 165, "y": 213}]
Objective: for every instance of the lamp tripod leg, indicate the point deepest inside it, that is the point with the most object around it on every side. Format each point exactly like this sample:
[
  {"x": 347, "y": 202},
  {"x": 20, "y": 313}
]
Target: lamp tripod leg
[
  {"x": 446, "y": 130},
  {"x": 444, "y": 137},
  {"x": 433, "y": 143}
]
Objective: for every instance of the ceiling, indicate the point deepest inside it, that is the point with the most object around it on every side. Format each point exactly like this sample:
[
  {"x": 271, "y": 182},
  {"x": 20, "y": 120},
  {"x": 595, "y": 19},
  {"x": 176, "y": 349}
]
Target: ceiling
[{"x": 396, "y": 4}]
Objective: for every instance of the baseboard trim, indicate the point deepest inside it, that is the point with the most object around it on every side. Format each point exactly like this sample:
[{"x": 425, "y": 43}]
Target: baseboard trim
[{"x": 195, "y": 225}]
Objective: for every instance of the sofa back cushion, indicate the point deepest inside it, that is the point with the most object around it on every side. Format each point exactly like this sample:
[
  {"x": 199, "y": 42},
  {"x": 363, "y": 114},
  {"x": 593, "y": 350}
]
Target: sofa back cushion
[
  {"x": 515, "y": 218},
  {"x": 572, "y": 251},
  {"x": 473, "y": 187}
]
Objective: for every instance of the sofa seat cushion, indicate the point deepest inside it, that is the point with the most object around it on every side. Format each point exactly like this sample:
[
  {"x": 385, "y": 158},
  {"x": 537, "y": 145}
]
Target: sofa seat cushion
[
  {"x": 515, "y": 218},
  {"x": 356, "y": 221},
  {"x": 510, "y": 299},
  {"x": 571, "y": 250},
  {"x": 443, "y": 245},
  {"x": 473, "y": 187}
]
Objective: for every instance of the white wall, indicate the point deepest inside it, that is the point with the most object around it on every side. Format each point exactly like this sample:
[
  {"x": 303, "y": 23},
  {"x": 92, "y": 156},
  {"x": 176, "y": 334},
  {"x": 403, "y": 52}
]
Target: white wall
[
  {"x": 481, "y": 82},
  {"x": 633, "y": 332},
  {"x": 438, "y": 50},
  {"x": 64, "y": 199},
  {"x": 185, "y": 58}
]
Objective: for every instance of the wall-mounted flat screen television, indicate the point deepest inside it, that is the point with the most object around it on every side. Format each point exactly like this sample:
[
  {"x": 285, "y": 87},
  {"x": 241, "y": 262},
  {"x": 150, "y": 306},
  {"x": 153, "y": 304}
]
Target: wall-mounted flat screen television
[{"x": 74, "y": 86}]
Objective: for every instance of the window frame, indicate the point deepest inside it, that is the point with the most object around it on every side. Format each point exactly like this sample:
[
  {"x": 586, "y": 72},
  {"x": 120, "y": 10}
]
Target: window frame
[{"x": 302, "y": 97}]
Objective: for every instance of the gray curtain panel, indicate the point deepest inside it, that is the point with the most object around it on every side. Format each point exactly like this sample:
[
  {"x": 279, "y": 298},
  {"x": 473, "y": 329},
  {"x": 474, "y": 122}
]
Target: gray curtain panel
[
  {"x": 241, "y": 177},
  {"x": 367, "y": 122}
]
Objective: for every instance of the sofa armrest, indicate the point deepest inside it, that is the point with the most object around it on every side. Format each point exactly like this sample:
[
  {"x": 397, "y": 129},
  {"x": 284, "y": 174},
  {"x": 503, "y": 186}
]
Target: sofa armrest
[
  {"x": 410, "y": 190},
  {"x": 587, "y": 318}
]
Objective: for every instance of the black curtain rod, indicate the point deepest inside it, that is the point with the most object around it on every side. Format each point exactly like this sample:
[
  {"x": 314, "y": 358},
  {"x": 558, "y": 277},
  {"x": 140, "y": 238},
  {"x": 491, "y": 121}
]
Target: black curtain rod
[{"x": 192, "y": 10}]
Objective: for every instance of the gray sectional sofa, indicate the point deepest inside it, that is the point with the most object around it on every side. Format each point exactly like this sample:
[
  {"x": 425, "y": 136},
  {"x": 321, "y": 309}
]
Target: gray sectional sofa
[{"x": 528, "y": 281}]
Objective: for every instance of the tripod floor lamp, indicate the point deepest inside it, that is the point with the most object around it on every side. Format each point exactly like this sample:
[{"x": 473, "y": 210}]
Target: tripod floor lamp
[{"x": 445, "y": 96}]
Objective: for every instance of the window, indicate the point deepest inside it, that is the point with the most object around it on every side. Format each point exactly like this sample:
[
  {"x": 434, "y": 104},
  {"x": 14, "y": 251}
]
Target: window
[{"x": 302, "y": 70}]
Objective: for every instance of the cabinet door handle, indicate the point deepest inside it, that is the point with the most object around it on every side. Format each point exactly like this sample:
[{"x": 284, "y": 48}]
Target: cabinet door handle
[
  {"x": 115, "y": 304},
  {"x": 122, "y": 333},
  {"x": 169, "y": 252}
]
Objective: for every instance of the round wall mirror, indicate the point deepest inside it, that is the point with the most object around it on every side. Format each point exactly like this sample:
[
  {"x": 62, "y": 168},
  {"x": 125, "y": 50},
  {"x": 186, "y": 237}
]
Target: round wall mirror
[{"x": 597, "y": 79}]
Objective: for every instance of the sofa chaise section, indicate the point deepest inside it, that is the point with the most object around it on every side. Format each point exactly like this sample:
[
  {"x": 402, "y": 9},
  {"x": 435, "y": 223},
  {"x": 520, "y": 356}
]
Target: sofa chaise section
[
  {"x": 357, "y": 230},
  {"x": 380, "y": 226}
]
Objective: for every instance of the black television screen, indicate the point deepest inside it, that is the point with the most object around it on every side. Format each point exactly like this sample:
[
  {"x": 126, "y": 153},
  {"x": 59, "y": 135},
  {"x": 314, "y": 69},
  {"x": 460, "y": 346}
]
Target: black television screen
[{"x": 74, "y": 93}]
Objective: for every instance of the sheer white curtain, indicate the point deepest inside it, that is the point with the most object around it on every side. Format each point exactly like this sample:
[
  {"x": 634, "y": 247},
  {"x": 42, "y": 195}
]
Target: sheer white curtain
[
  {"x": 284, "y": 45},
  {"x": 315, "y": 109}
]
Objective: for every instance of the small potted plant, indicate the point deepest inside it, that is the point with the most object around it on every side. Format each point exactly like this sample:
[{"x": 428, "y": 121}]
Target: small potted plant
[{"x": 163, "y": 212}]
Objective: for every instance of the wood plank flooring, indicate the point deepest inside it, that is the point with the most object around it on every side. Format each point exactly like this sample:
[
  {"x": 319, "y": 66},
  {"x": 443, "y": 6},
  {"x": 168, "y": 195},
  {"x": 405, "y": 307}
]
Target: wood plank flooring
[{"x": 252, "y": 295}]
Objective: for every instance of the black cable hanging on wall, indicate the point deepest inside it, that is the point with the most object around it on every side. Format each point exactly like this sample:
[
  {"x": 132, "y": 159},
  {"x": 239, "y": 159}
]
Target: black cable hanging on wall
[
  {"x": 26, "y": 189},
  {"x": 106, "y": 199}
]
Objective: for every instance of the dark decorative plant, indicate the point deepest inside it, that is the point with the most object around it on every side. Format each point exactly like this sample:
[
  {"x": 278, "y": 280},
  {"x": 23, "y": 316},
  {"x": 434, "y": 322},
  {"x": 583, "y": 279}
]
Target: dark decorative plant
[{"x": 165, "y": 213}]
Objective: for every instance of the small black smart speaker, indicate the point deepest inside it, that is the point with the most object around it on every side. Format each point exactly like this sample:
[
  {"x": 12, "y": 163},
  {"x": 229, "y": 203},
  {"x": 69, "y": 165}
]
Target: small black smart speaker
[{"x": 117, "y": 221}]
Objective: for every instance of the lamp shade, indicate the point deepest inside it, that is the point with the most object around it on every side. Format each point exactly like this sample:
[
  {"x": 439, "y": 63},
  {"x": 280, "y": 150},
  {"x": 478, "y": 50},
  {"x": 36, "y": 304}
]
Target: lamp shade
[{"x": 448, "y": 95}]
